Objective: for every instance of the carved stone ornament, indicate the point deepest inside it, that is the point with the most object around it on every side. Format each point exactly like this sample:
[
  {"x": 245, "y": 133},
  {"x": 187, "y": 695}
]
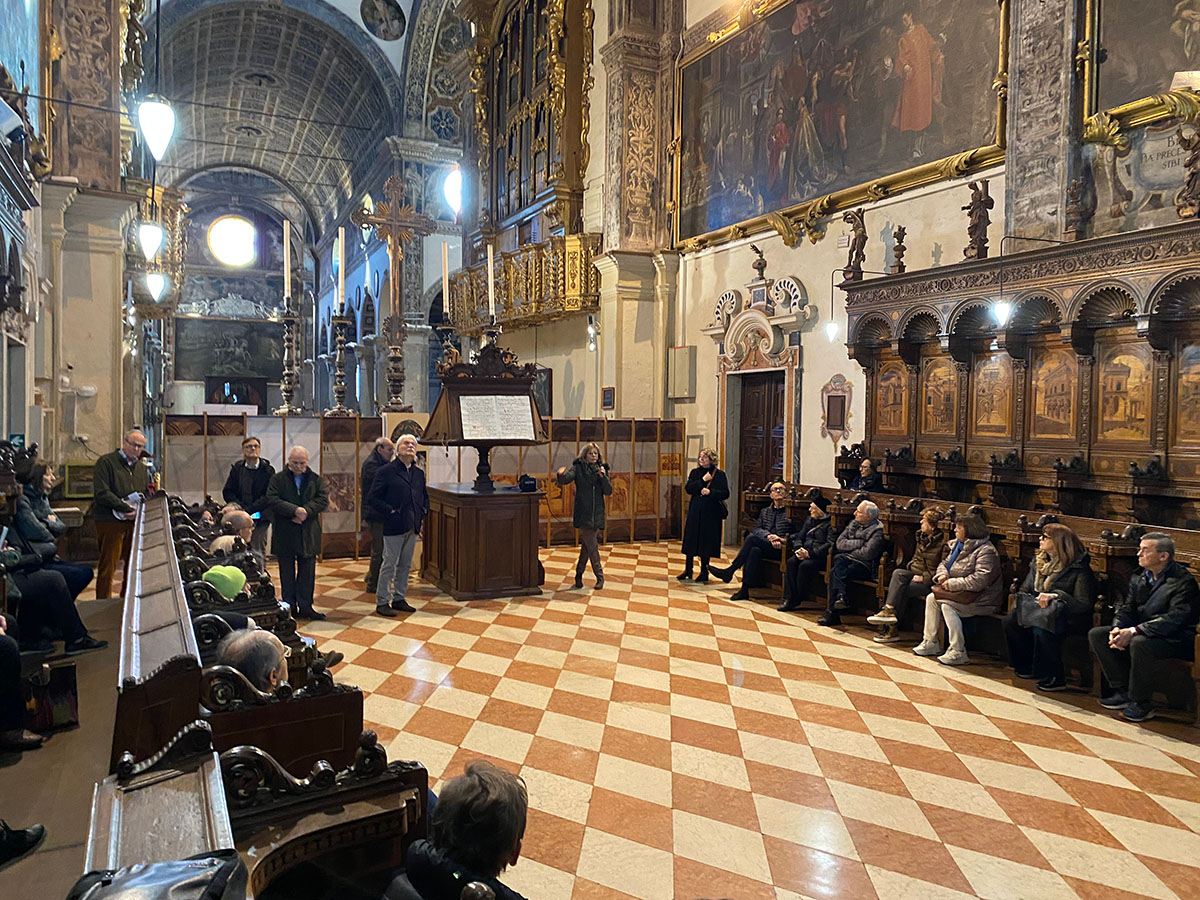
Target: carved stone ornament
[
  {"x": 752, "y": 341},
  {"x": 839, "y": 428},
  {"x": 978, "y": 220},
  {"x": 898, "y": 250},
  {"x": 1187, "y": 200},
  {"x": 728, "y": 306},
  {"x": 491, "y": 361}
]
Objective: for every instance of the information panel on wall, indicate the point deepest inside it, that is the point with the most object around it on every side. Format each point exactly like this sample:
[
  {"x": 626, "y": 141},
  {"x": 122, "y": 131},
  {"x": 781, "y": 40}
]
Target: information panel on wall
[{"x": 497, "y": 417}]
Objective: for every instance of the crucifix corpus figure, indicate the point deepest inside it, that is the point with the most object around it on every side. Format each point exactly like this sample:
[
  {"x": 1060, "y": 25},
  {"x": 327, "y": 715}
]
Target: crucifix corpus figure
[
  {"x": 398, "y": 223},
  {"x": 978, "y": 220}
]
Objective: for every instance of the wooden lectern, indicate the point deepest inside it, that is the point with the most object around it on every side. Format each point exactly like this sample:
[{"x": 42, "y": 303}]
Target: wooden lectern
[{"x": 479, "y": 542}]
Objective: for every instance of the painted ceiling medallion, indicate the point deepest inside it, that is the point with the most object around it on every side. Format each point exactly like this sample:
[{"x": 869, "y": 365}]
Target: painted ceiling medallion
[{"x": 383, "y": 18}]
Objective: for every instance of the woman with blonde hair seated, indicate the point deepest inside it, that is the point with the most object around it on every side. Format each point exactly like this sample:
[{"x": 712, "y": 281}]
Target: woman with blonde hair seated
[
  {"x": 967, "y": 583},
  {"x": 1055, "y": 600}
]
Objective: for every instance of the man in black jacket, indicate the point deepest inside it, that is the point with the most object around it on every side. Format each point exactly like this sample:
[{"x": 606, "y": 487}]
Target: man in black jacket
[
  {"x": 868, "y": 480},
  {"x": 383, "y": 451},
  {"x": 1157, "y": 621},
  {"x": 765, "y": 542},
  {"x": 399, "y": 497},
  {"x": 810, "y": 547},
  {"x": 247, "y": 487}
]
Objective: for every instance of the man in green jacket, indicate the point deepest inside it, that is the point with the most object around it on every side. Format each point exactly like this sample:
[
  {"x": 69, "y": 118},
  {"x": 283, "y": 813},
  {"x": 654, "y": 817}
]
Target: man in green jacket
[
  {"x": 297, "y": 497},
  {"x": 118, "y": 476}
]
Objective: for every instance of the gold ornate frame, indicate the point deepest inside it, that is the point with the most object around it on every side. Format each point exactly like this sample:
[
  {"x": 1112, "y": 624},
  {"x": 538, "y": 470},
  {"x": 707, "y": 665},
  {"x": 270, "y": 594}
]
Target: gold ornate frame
[
  {"x": 805, "y": 218},
  {"x": 1111, "y": 126}
]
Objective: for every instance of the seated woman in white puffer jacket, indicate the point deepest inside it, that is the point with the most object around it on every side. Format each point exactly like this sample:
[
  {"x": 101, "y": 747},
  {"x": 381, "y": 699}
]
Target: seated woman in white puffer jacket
[{"x": 967, "y": 583}]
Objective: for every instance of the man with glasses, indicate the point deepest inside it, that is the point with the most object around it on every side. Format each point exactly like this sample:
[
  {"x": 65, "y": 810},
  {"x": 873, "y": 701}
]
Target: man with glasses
[
  {"x": 1157, "y": 621},
  {"x": 247, "y": 487},
  {"x": 765, "y": 542},
  {"x": 118, "y": 482}
]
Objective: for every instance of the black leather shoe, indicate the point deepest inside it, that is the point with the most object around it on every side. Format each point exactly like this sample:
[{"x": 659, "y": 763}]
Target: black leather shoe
[
  {"x": 403, "y": 606},
  {"x": 16, "y": 842},
  {"x": 743, "y": 594},
  {"x": 725, "y": 574},
  {"x": 332, "y": 658},
  {"x": 386, "y": 611},
  {"x": 684, "y": 576},
  {"x": 702, "y": 578},
  {"x": 599, "y": 582},
  {"x": 830, "y": 621},
  {"x": 85, "y": 644},
  {"x": 578, "y": 585},
  {"x": 310, "y": 615},
  {"x": 788, "y": 606},
  {"x": 839, "y": 603}
]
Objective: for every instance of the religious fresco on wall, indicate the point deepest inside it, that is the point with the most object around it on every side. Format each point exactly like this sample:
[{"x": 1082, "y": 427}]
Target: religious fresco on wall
[
  {"x": 19, "y": 43},
  {"x": 1187, "y": 403},
  {"x": 991, "y": 396},
  {"x": 939, "y": 396},
  {"x": 1124, "y": 377},
  {"x": 818, "y": 96},
  {"x": 1053, "y": 414},
  {"x": 891, "y": 399},
  {"x": 1147, "y": 43},
  {"x": 1135, "y": 187},
  {"x": 231, "y": 347}
]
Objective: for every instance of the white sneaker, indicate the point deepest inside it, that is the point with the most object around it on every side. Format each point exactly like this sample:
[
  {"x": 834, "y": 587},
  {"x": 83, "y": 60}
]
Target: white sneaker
[
  {"x": 954, "y": 658},
  {"x": 928, "y": 648}
]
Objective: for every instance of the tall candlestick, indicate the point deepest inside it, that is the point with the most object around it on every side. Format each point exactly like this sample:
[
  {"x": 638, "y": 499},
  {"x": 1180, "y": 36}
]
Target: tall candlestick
[
  {"x": 287, "y": 258},
  {"x": 491, "y": 283},
  {"x": 341, "y": 294},
  {"x": 445, "y": 275}
]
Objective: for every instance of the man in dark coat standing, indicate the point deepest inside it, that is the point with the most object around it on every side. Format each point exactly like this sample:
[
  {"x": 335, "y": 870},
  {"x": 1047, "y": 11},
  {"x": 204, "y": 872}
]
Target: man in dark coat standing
[
  {"x": 118, "y": 476},
  {"x": 383, "y": 451},
  {"x": 247, "y": 487},
  {"x": 1157, "y": 621},
  {"x": 297, "y": 497},
  {"x": 399, "y": 498}
]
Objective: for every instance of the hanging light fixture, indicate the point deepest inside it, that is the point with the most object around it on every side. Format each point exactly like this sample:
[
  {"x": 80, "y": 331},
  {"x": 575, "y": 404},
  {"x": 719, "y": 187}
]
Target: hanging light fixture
[
  {"x": 1002, "y": 311},
  {"x": 156, "y": 118},
  {"x": 452, "y": 190},
  {"x": 150, "y": 237},
  {"x": 156, "y": 283},
  {"x": 831, "y": 330}
]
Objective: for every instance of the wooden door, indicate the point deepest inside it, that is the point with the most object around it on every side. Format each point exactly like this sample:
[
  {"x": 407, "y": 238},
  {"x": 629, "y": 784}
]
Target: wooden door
[{"x": 761, "y": 430}]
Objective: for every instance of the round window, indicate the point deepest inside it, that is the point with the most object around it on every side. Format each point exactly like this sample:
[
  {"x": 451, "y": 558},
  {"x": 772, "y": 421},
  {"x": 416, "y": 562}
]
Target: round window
[{"x": 232, "y": 241}]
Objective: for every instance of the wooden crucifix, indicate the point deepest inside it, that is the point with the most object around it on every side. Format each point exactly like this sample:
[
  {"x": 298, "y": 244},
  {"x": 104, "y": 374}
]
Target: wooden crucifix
[{"x": 398, "y": 223}]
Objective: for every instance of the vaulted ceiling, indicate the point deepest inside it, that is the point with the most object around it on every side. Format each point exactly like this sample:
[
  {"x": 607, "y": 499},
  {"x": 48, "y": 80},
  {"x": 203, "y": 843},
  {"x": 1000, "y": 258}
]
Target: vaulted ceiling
[{"x": 304, "y": 95}]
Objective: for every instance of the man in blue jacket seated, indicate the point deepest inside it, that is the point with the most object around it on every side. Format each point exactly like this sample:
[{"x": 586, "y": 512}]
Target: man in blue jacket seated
[
  {"x": 1157, "y": 621},
  {"x": 475, "y": 833},
  {"x": 765, "y": 542}
]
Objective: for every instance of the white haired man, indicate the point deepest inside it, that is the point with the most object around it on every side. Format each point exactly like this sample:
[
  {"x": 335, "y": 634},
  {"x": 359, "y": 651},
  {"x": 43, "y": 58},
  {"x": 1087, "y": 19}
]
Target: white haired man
[
  {"x": 858, "y": 549},
  {"x": 297, "y": 497},
  {"x": 399, "y": 497},
  {"x": 380, "y": 455}
]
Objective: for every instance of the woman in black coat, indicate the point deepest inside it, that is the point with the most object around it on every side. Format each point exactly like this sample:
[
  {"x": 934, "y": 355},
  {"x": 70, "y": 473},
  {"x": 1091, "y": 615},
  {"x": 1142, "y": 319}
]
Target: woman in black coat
[
  {"x": 1056, "y": 599},
  {"x": 709, "y": 489},
  {"x": 810, "y": 548},
  {"x": 591, "y": 487}
]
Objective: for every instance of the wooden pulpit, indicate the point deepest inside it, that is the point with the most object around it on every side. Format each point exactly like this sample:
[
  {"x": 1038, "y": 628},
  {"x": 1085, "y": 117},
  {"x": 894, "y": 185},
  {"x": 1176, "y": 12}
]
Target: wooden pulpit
[{"x": 481, "y": 542}]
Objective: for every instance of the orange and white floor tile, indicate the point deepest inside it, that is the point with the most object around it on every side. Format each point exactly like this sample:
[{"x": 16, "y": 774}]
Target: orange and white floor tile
[{"x": 676, "y": 744}]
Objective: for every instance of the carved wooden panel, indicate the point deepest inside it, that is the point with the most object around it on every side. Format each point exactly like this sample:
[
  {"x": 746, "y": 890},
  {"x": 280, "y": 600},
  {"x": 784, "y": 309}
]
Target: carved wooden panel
[
  {"x": 1053, "y": 413},
  {"x": 1187, "y": 423},
  {"x": 1124, "y": 380},
  {"x": 991, "y": 396},
  {"x": 939, "y": 396},
  {"x": 891, "y": 399}
]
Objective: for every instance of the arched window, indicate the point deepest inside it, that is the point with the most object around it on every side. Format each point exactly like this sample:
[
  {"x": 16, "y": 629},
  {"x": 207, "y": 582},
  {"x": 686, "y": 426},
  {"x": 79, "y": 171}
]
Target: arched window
[{"x": 368, "y": 313}]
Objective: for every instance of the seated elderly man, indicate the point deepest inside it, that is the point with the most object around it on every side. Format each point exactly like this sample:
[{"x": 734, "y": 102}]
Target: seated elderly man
[
  {"x": 1157, "y": 621},
  {"x": 868, "y": 479},
  {"x": 765, "y": 542},
  {"x": 257, "y": 654},
  {"x": 239, "y": 524},
  {"x": 475, "y": 833},
  {"x": 858, "y": 549}
]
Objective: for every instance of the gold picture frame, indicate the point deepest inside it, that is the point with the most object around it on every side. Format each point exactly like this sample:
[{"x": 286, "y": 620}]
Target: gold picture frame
[{"x": 804, "y": 219}]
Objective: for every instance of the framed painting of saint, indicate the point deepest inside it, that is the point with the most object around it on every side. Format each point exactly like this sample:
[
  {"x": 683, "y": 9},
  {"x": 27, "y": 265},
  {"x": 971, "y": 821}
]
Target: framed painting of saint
[{"x": 813, "y": 97}]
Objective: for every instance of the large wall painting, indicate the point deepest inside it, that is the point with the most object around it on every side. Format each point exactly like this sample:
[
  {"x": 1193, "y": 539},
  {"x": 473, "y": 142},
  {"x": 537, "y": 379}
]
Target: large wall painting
[
  {"x": 991, "y": 396},
  {"x": 1147, "y": 43},
  {"x": 817, "y": 97},
  {"x": 231, "y": 347},
  {"x": 891, "y": 399},
  {"x": 939, "y": 397},
  {"x": 1055, "y": 374},
  {"x": 1125, "y": 380}
]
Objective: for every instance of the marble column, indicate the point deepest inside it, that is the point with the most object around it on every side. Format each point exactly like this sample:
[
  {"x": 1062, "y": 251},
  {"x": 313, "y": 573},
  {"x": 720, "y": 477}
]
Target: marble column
[{"x": 1042, "y": 153}]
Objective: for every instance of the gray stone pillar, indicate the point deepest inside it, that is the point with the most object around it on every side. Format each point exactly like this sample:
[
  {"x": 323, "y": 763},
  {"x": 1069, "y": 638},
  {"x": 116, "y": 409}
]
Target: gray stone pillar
[{"x": 1042, "y": 153}]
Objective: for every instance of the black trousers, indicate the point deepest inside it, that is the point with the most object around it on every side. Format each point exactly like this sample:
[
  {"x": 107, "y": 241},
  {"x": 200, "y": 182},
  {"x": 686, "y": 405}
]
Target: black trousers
[
  {"x": 12, "y": 710},
  {"x": 46, "y": 606},
  {"x": 799, "y": 577},
  {"x": 297, "y": 580},
  {"x": 750, "y": 559},
  {"x": 76, "y": 575},
  {"x": 845, "y": 568},
  {"x": 376, "y": 529},
  {"x": 1035, "y": 651},
  {"x": 1132, "y": 669}
]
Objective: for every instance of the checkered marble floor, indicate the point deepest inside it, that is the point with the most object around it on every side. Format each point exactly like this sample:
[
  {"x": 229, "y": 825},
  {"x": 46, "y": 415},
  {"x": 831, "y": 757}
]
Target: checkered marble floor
[{"x": 676, "y": 744}]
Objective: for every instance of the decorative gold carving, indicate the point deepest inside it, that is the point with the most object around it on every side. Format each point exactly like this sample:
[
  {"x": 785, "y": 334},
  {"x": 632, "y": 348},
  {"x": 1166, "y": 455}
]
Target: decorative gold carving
[
  {"x": 736, "y": 232},
  {"x": 134, "y": 35},
  {"x": 876, "y": 191},
  {"x": 786, "y": 230},
  {"x": 536, "y": 284},
  {"x": 1104, "y": 129},
  {"x": 585, "y": 151}
]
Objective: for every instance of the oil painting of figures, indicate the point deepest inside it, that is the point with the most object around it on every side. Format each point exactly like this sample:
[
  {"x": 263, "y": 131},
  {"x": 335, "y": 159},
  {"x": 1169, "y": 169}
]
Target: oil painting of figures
[
  {"x": 1146, "y": 44},
  {"x": 822, "y": 95}
]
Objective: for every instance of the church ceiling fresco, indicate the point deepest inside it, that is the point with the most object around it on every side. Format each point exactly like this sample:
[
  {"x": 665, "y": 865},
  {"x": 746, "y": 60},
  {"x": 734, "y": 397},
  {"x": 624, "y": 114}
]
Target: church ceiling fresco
[{"x": 818, "y": 97}]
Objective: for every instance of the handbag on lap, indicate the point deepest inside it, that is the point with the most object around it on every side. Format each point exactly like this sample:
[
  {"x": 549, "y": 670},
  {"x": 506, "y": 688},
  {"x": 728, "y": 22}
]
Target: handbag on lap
[{"x": 941, "y": 592}]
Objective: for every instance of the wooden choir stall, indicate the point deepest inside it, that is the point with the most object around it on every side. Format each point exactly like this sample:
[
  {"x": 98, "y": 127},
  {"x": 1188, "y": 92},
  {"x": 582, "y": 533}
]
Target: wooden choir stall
[{"x": 481, "y": 542}]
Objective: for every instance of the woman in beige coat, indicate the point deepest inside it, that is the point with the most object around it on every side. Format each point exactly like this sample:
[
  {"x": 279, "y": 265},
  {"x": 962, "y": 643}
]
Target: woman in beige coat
[{"x": 967, "y": 583}]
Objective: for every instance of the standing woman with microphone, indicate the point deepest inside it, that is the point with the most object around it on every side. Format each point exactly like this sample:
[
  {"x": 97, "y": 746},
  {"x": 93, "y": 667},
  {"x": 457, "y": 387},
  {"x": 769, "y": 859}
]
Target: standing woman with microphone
[
  {"x": 709, "y": 489},
  {"x": 591, "y": 487}
]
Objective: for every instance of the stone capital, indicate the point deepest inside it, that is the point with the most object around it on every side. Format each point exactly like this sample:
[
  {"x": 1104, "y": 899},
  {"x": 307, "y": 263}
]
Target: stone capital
[{"x": 626, "y": 275}]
